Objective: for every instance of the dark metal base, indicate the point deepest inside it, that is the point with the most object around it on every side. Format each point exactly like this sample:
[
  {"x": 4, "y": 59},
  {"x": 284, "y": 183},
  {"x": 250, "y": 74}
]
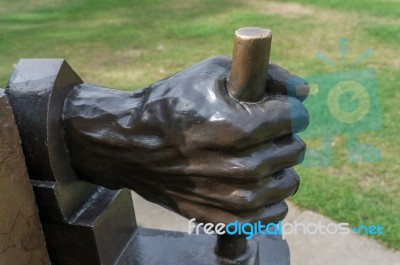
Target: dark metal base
[
  {"x": 97, "y": 234},
  {"x": 153, "y": 247},
  {"x": 273, "y": 250}
]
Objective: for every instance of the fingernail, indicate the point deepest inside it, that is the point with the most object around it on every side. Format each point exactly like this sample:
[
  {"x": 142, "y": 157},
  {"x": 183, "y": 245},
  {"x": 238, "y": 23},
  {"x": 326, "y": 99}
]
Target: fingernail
[
  {"x": 297, "y": 87},
  {"x": 302, "y": 90}
]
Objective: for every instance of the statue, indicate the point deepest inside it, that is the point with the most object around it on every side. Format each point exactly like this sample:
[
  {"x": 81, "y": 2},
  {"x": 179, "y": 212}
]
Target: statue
[
  {"x": 201, "y": 143},
  {"x": 186, "y": 144}
]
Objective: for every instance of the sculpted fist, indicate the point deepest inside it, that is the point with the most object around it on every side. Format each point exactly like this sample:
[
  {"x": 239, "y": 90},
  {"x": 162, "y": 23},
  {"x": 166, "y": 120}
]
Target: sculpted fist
[{"x": 186, "y": 144}]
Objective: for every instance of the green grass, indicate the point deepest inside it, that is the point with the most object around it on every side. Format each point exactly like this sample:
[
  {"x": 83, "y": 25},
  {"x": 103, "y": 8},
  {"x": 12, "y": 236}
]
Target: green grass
[
  {"x": 386, "y": 33},
  {"x": 131, "y": 44},
  {"x": 373, "y": 7}
]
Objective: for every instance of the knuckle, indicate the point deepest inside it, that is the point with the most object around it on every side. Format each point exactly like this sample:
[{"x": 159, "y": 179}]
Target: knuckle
[
  {"x": 293, "y": 179},
  {"x": 241, "y": 168},
  {"x": 244, "y": 202},
  {"x": 299, "y": 116},
  {"x": 300, "y": 149},
  {"x": 253, "y": 168},
  {"x": 301, "y": 145}
]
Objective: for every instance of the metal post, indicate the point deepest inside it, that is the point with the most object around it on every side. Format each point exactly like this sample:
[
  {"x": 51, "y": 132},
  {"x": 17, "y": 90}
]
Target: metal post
[{"x": 246, "y": 83}]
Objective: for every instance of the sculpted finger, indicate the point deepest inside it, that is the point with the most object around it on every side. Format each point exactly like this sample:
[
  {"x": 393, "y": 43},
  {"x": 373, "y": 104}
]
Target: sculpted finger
[
  {"x": 204, "y": 213},
  {"x": 273, "y": 118},
  {"x": 280, "y": 81},
  {"x": 271, "y": 157},
  {"x": 238, "y": 196},
  {"x": 207, "y": 213},
  {"x": 252, "y": 164}
]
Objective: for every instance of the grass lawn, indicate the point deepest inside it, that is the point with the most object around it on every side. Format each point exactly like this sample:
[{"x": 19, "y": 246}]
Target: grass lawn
[{"x": 130, "y": 44}]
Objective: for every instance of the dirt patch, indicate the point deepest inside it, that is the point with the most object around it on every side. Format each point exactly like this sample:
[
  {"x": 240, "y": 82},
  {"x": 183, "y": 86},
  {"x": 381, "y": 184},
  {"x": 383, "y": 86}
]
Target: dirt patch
[
  {"x": 396, "y": 64},
  {"x": 128, "y": 55},
  {"x": 288, "y": 9}
]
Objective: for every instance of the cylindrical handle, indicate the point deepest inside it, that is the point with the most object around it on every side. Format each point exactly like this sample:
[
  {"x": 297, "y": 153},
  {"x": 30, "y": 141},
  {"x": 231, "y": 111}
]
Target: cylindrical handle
[
  {"x": 250, "y": 60},
  {"x": 247, "y": 83},
  {"x": 231, "y": 247}
]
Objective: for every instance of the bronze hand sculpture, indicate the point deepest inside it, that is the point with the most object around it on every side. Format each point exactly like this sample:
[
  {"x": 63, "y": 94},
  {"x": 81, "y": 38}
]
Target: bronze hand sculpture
[
  {"x": 186, "y": 144},
  {"x": 215, "y": 142}
]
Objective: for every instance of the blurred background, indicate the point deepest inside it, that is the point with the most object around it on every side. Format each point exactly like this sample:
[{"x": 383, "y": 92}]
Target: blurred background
[{"x": 349, "y": 51}]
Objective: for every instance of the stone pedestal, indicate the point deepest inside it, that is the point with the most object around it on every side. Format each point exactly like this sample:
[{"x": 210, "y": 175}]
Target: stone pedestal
[{"x": 21, "y": 237}]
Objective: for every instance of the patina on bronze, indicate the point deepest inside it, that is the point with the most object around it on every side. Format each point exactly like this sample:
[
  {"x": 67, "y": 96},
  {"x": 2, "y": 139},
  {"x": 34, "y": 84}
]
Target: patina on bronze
[{"x": 184, "y": 142}]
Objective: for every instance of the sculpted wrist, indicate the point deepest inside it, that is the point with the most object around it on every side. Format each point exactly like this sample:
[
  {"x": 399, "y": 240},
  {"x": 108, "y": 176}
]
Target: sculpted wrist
[{"x": 99, "y": 130}]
